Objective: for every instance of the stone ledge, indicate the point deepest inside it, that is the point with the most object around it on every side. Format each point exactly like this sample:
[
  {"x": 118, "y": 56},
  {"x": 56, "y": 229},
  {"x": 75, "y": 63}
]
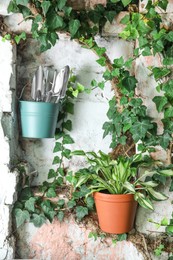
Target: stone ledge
[{"x": 70, "y": 242}]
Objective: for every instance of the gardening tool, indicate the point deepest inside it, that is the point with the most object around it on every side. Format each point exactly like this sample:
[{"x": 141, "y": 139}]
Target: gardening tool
[
  {"x": 65, "y": 82},
  {"x": 50, "y": 93},
  {"x": 33, "y": 88},
  {"x": 61, "y": 84}
]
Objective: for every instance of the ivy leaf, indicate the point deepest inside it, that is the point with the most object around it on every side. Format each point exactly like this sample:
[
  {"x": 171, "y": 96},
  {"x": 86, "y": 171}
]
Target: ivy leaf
[
  {"x": 168, "y": 112},
  {"x": 38, "y": 220},
  {"x": 165, "y": 140},
  {"x": 45, "y": 6},
  {"x": 146, "y": 51},
  {"x": 66, "y": 153},
  {"x": 122, "y": 237},
  {"x": 60, "y": 216},
  {"x": 30, "y": 204},
  {"x": 71, "y": 204},
  {"x": 61, "y": 4},
  {"x": 58, "y": 147},
  {"x": 110, "y": 15},
  {"x": 20, "y": 37},
  {"x": 168, "y": 88},
  {"x": 168, "y": 61},
  {"x": 51, "y": 193},
  {"x": 101, "y": 85},
  {"x": 21, "y": 216},
  {"x": 90, "y": 202},
  {"x": 56, "y": 160},
  {"x": 129, "y": 83},
  {"x": 61, "y": 202},
  {"x": 51, "y": 174},
  {"x": 139, "y": 129},
  {"x": 100, "y": 50},
  {"x": 22, "y": 2},
  {"x": 108, "y": 127},
  {"x": 69, "y": 108},
  {"x": 118, "y": 63},
  {"x": 26, "y": 194},
  {"x": 54, "y": 21},
  {"x": 67, "y": 139},
  {"x": 52, "y": 37},
  {"x": 163, "y": 4},
  {"x": 74, "y": 26},
  {"x": 160, "y": 102},
  {"x": 67, "y": 10},
  {"x": 81, "y": 212},
  {"x": 125, "y": 19},
  {"x": 126, "y": 2},
  {"x": 160, "y": 72},
  {"x": 101, "y": 61}
]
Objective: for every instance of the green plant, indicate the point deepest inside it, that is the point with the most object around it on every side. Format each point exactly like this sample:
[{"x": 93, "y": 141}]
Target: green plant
[
  {"x": 158, "y": 251},
  {"x": 128, "y": 122},
  {"x": 120, "y": 176}
]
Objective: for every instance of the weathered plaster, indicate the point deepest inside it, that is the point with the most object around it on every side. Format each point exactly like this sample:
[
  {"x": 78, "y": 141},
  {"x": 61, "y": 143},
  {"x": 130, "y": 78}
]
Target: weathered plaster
[
  {"x": 69, "y": 240},
  {"x": 8, "y": 148}
]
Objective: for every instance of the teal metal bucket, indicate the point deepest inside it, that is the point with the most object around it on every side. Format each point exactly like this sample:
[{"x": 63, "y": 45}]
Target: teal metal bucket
[{"x": 38, "y": 119}]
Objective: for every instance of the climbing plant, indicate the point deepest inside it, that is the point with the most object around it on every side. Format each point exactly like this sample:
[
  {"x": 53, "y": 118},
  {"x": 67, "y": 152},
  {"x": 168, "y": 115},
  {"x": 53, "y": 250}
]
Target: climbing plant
[{"x": 128, "y": 122}]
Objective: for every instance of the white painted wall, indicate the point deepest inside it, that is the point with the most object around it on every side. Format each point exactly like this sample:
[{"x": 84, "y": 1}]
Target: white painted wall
[{"x": 8, "y": 179}]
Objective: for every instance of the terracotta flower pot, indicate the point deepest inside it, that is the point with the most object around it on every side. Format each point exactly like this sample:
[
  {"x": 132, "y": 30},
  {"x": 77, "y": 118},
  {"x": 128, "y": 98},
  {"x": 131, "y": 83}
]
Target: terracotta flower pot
[{"x": 116, "y": 212}]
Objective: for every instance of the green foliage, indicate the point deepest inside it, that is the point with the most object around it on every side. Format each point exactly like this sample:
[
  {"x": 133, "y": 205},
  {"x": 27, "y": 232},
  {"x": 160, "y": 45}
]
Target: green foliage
[
  {"x": 120, "y": 177},
  {"x": 127, "y": 116},
  {"x": 158, "y": 251},
  {"x": 40, "y": 209},
  {"x": 48, "y": 17}
]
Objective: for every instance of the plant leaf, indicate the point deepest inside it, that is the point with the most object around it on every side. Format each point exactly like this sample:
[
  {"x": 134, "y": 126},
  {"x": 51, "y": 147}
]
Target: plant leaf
[
  {"x": 156, "y": 195},
  {"x": 81, "y": 212},
  {"x": 67, "y": 139},
  {"x": 45, "y": 6},
  {"x": 61, "y": 4},
  {"x": 22, "y": 2},
  {"x": 160, "y": 102},
  {"x": 30, "y": 204},
  {"x": 38, "y": 220},
  {"x": 51, "y": 193},
  {"x": 126, "y": 2},
  {"x": 21, "y": 216},
  {"x": 60, "y": 216},
  {"x": 74, "y": 26}
]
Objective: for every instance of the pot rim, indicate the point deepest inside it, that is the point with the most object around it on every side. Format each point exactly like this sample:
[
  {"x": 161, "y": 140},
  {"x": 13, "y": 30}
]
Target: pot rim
[{"x": 113, "y": 197}]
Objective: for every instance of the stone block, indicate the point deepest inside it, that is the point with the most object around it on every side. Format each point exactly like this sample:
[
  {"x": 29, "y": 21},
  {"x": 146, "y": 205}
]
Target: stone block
[{"x": 69, "y": 240}]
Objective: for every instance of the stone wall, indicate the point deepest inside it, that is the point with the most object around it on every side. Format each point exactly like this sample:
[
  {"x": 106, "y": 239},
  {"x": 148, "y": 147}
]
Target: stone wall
[
  {"x": 68, "y": 240},
  {"x": 9, "y": 151}
]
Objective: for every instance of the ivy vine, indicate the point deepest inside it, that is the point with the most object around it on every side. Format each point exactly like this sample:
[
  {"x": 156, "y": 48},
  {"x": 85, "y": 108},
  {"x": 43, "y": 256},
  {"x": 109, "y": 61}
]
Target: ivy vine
[{"x": 128, "y": 122}]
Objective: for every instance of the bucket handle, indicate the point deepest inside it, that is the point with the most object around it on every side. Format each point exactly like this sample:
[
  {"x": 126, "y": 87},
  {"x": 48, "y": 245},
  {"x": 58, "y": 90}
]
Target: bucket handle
[{"x": 21, "y": 93}]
